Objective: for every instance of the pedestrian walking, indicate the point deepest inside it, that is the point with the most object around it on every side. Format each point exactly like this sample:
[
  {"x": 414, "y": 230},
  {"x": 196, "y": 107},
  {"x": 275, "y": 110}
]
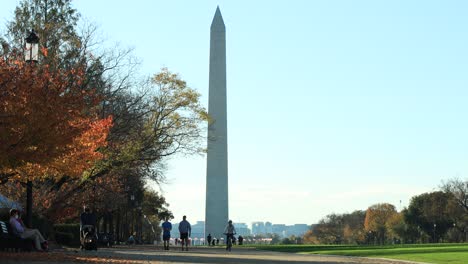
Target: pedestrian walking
[
  {"x": 185, "y": 230},
  {"x": 167, "y": 227}
]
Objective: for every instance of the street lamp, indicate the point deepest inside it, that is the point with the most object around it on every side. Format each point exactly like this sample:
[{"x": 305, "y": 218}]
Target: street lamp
[
  {"x": 435, "y": 225},
  {"x": 31, "y": 51},
  {"x": 132, "y": 212},
  {"x": 140, "y": 223},
  {"x": 31, "y": 54},
  {"x": 455, "y": 231}
]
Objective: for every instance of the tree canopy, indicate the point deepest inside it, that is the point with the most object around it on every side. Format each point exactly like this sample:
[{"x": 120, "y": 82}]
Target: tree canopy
[{"x": 82, "y": 124}]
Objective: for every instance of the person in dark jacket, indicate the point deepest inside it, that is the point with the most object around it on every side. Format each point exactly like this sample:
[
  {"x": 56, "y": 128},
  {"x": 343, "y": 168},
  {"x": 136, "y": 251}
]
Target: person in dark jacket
[{"x": 87, "y": 219}]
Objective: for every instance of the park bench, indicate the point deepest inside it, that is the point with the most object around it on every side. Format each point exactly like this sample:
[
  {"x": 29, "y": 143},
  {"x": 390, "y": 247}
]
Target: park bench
[{"x": 8, "y": 241}]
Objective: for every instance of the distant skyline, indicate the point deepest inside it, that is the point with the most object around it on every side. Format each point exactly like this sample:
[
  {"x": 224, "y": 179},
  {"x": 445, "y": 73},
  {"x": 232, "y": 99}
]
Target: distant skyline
[{"x": 332, "y": 105}]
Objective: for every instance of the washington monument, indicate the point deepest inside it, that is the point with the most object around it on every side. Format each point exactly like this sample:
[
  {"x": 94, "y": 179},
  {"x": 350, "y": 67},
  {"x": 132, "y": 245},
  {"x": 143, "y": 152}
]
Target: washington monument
[{"x": 217, "y": 205}]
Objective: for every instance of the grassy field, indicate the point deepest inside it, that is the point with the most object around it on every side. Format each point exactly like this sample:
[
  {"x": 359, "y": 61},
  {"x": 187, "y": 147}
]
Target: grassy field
[{"x": 430, "y": 253}]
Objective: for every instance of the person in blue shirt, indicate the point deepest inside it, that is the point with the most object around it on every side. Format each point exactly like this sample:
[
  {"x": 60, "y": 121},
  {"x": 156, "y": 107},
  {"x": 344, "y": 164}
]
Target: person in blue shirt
[
  {"x": 185, "y": 229},
  {"x": 167, "y": 227}
]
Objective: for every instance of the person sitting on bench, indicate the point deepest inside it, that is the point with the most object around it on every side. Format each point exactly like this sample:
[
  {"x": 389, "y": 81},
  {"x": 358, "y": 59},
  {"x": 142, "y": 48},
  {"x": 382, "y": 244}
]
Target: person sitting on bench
[{"x": 18, "y": 229}]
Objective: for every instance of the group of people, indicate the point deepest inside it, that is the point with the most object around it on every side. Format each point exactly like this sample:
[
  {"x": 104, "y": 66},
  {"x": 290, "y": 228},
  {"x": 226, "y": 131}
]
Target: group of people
[
  {"x": 185, "y": 230},
  {"x": 20, "y": 230},
  {"x": 88, "y": 219},
  {"x": 211, "y": 241}
]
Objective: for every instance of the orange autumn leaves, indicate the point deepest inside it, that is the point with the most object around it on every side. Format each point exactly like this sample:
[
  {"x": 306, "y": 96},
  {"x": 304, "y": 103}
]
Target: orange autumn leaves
[{"x": 48, "y": 123}]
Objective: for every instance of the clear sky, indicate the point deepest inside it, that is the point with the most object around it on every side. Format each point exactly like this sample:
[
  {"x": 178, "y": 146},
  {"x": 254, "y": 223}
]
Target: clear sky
[{"x": 332, "y": 105}]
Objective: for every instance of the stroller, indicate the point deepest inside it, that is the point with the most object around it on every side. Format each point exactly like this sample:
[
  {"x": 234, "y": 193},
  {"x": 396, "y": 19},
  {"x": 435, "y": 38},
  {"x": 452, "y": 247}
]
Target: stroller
[{"x": 88, "y": 238}]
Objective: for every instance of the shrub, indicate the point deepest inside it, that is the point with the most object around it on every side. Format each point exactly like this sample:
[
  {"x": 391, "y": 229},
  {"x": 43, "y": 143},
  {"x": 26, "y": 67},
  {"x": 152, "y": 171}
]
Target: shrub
[
  {"x": 64, "y": 238},
  {"x": 43, "y": 224},
  {"x": 67, "y": 234}
]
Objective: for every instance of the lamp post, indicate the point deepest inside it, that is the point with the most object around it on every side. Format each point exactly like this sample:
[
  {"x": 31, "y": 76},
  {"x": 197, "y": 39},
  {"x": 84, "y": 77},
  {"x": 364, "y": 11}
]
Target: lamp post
[
  {"x": 132, "y": 213},
  {"x": 140, "y": 224},
  {"x": 456, "y": 233},
  {"x": 435, "y": 225},
  {"x": 31, "y": 51},
  {"x": 31, "y": 55}
]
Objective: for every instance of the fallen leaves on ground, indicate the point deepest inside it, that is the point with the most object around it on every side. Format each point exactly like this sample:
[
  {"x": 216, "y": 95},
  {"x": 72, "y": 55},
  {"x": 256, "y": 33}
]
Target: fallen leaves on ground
[{"x": 63, "y": 257}]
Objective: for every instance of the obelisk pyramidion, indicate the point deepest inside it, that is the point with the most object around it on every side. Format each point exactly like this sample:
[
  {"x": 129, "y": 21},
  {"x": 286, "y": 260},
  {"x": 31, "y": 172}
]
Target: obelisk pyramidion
[{"x": 217, "y": 206}]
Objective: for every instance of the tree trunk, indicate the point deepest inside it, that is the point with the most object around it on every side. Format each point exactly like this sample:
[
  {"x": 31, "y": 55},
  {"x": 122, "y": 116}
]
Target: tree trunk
[
  {"x": 117, "y": 227},
  {"x": 111, "y": 223},
  {"x": 29, "y": 204}
]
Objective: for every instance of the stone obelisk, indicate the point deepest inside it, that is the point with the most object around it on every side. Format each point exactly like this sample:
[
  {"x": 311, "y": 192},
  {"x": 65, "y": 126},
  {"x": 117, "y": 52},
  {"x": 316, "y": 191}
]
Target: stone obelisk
[{"x": 217, "y": 205}]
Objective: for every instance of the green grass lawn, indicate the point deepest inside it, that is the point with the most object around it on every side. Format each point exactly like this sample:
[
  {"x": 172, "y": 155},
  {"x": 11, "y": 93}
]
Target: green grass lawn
[{"x": 430, "y": 253}]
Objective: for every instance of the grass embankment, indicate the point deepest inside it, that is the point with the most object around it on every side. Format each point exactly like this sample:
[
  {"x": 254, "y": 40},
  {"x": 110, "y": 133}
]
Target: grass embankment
[{"x": 430, "y": 253}]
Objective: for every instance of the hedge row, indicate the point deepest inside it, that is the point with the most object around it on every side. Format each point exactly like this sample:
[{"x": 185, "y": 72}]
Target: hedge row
[{"x": 67, "y": 234}]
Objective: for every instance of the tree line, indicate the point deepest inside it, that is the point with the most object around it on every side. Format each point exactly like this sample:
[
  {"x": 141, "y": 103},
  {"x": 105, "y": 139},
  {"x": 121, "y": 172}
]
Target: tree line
[
  {"x": 84, "y": 126},
  {"x": 438, "y": 216}
]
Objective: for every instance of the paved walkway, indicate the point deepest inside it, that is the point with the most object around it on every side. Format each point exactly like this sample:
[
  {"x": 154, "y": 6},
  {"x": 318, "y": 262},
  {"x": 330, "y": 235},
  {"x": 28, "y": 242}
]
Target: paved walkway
[{"x": 147, "y": 254}]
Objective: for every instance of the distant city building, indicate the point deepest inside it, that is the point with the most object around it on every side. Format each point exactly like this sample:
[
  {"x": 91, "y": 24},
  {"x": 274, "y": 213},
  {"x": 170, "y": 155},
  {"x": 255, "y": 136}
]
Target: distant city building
[
  {"x": 242, "y": 229},
  {"x": 297, "y": 230},
  {"x": 282, "y": 230},
  {"x": 279, "y": 229},
  {"x": 268, "y": 228},
  {"x": 258, "y": 228},
  {"x": 198, "y": 230}
]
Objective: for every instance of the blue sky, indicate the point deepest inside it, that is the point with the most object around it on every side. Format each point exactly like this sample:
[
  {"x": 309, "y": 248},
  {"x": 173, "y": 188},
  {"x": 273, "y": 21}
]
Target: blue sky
[{"x": 332, "y": 105}]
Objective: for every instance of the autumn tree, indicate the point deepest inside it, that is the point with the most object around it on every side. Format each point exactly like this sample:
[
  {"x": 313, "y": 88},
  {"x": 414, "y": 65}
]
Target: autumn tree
[
  {"x": 152, "y": 119},
  {"x": 329, "y": 230},
  {"x": 377, "y": 219},
  {"x": 401, "y": 231},
  {"x": 169, "y": 122},
  {"x": 47, "y": 128},
  {"x": 337, "y": 229},
  {"x": 353, "y": 231},
  {"x": 309, "y": 237},
  {"x": 65, "y": 49}
]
